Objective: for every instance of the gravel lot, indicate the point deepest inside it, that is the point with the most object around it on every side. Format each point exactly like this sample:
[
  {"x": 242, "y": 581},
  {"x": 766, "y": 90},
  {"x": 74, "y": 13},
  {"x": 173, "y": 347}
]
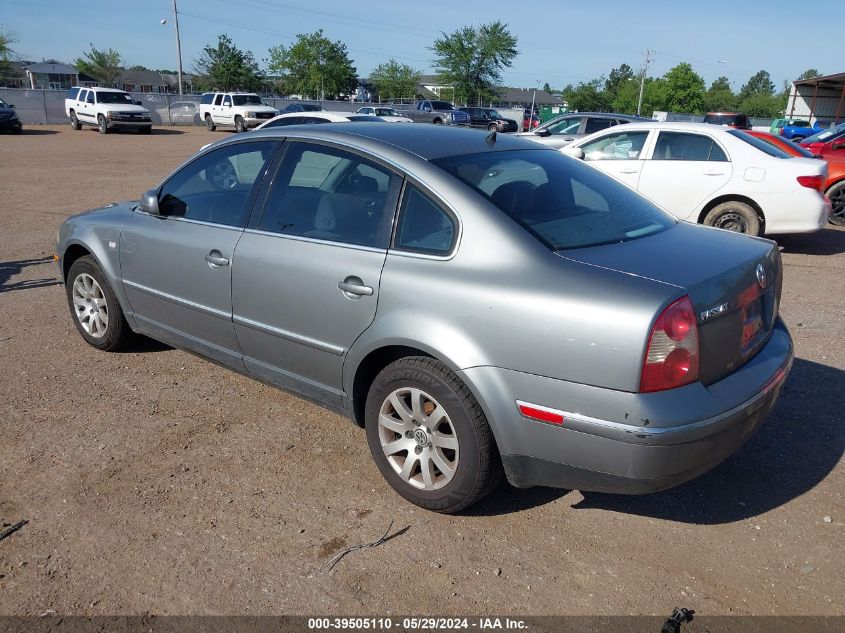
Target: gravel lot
[{"x": 155, "y": 482}]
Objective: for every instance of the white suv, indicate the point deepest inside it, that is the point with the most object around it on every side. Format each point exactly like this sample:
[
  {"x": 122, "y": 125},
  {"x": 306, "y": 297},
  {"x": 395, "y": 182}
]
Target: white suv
[
  {"x": 242, "y": 110},
  {"x": 107, "y": 109}
]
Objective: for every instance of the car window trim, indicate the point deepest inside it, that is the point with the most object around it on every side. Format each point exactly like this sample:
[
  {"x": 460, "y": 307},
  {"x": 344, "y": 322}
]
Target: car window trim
[{"x": 436, "y": 200}]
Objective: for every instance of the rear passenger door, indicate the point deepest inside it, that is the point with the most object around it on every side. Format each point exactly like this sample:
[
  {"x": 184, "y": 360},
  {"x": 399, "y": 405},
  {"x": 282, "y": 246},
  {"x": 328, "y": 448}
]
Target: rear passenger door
[
  {"x": 683, "y": 171},
  {"x": 306, "y": 273},
  {"x": 87, "y": 111}
]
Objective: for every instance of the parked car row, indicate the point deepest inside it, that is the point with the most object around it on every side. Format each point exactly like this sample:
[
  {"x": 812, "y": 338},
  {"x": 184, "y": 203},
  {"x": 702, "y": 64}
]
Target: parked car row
[{"x": 620, "y": 350}]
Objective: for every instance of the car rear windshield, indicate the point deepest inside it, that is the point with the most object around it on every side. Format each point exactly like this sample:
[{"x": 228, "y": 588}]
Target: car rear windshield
[
  {"x": 115, "y": 97},
  {"x": 804, "y": 153},
  {"x": 763, "y": 146},
  {"x": 240, "y": 100},
  {"x": 726, "y": 119},
  {"x": 560, "y": 200},
  {"x": 363, "y": 118},
  {"x": 826, "y": 135}
]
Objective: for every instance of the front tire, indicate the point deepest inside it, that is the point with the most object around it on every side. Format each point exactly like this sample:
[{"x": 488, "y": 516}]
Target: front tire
[
  {"x": 102, "y": 124},
  {"x": 492, "y": 128},
  {"x": 734, "y": 216},
  {"x": 94, "y": 308},
  {"x": 438, "y": 121},
  {"x": 145, "y": 130},
  {"x": 209, "y": 123},
  {"x": 74, "y": 122},
  {"x": 429, "y": 437},
  {"x": 240, "y": 126},
  {"x": 836, "y": 193}
]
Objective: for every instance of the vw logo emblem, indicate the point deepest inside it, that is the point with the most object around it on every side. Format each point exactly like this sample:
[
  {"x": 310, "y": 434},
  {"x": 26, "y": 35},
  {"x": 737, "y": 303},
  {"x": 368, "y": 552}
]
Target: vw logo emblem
[
  {"x": 421, "y": 437},
  {"x": 761, "y": 275}
]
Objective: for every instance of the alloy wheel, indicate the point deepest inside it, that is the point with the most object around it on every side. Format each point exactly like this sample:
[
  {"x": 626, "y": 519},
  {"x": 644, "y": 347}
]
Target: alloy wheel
[
  {"x": 418, "y": 438},
  {"x": 90, "y": 306}
]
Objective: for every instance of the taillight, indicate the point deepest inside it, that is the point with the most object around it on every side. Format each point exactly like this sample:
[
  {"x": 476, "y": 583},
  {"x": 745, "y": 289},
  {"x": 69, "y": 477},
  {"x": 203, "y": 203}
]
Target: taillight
[
  {"x": 672, "y": 357},
  {"x": 812, "y": 182}
]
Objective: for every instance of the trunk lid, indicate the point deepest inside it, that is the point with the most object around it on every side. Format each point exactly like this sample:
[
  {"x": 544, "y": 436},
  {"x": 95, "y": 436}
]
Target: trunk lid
[{"x": 735, "y": 307}]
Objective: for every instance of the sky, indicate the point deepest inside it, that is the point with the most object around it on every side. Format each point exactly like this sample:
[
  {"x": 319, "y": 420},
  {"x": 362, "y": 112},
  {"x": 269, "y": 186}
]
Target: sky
[{"x": 559, "y": 42}]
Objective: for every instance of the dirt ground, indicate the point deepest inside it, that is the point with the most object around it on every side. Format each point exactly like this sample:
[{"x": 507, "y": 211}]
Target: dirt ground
[{"x": 156, "y": 482}]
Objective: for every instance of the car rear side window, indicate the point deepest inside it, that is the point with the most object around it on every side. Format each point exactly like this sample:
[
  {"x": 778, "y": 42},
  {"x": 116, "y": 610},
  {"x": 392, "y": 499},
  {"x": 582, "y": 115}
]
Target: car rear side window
[
  {"x": 288, "y": 120},
  {"x": 71, "y": 94},
  {"x": 217, "y": 186},
  {"x": 683, "y": 146},
  {"x": 423, "y": 226},
  {"x": 329, "y": 194},
  {"x": 82, "y": 95},
  {"x": 596, "y": 124},
  {"x": 218, "y": 99},
  {"x": 560, "y": 200},
  {"x": 90, "y": 97}
]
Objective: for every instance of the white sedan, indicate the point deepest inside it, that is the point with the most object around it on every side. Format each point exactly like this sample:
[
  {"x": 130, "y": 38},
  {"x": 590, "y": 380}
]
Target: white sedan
[
  {"x": 388, "y": 114},
  {"x": 322, "y": 116},
  {"x": 716, "y": 176}
]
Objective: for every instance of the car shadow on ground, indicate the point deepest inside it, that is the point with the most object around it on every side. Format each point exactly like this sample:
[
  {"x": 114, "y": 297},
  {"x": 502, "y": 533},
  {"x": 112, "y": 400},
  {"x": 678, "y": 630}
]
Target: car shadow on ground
[
  {"x": 146, "y": 345},
  {"x": 794, "y": 450},
  {"x": 828, "y": 241},
  {"x": 11, "y": 269},
  {"x": 157, "y": 131},
  {"x": 28, "y": 131}
]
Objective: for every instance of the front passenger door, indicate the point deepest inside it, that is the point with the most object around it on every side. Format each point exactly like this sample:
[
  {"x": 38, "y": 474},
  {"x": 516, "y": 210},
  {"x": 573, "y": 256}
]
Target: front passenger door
[
  {"x": 177, "y": 267},
  {"x": 619, "y": 154}
]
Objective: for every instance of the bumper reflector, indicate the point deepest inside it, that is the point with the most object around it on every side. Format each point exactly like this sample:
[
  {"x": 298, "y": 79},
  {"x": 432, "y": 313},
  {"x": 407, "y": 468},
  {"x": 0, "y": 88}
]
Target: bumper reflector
[{"x": 541, "y": 414}]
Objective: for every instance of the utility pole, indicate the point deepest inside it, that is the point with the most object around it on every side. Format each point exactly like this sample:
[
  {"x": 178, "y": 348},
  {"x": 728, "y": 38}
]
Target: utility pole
[
  {"x": 531, "y": 114},
  {"x": 648, "y": 60},
  {"x": 178, "y": 44}
]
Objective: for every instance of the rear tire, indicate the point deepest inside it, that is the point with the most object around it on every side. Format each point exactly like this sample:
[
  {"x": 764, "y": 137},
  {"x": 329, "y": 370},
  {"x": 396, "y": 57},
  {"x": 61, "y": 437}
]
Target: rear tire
[
  {"x": 735, "y": 216},
  {"x": 209, "y": 123},
  {"x": 836, "y": 193},
  {"x": 454, "y": 460},
  {"x": 240, "y": 126},
  {"x": 94, "y": 308},
  {"x": 438, "y": 121},
  {"x": 102, "y": 124},
  {"x": 74, "y": 122}
]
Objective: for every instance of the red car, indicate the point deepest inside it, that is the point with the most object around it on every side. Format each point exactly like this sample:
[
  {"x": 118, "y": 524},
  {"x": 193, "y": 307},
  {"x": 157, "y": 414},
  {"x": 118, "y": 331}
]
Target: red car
[
  {"x": 834, "y": 188},
  {"x": 530, "y": 122},
  {"x": 827, "y": 142}
]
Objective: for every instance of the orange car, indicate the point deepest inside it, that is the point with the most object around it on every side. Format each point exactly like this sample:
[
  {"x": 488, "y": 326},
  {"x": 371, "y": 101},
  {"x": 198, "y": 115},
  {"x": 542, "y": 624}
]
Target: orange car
[{"x": 834, "y": 188}]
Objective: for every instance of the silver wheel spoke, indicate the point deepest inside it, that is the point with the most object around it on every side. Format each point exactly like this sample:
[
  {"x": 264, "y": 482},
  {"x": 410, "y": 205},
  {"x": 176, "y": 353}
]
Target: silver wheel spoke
[
  {"x": 436, "y": 417},
  {"x": 408, "y": 466},
  {"x": 90, "y": 305},
  {"x": 400, "y": 408},
  {"x": 445, "y": 441},
  {"x": 417, "y": 397},
  {"x": 427, "y": 468},
  {"x": 447, "y": 470},
  {"x": 397, "y": 446},
  {"x": 397, "y": 426}
]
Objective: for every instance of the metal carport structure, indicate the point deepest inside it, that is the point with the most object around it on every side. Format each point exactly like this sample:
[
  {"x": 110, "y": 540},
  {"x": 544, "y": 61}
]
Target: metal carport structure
[{"x": 819, "y": 99}]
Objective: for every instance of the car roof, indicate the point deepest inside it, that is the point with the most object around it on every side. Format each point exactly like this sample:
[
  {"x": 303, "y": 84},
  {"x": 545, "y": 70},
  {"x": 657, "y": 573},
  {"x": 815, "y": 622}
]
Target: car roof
[
  {"x": 428, "y": 142},
  {"x": 99, "y": 88},
  {"x": 680, "y": 126},
  {"x": 329, "y": 114}
]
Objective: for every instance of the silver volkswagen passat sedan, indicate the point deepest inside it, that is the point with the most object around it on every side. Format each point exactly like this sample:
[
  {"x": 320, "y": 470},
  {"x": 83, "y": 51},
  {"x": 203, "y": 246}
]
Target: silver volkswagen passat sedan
[{"x": 479, "y": 304}]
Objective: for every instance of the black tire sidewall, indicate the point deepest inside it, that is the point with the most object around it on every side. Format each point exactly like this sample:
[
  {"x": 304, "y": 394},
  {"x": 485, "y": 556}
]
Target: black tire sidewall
[
  {"x": 115, "y": 331},
  {"x": 838, "y": 221},
  {"x": 209, "y": 123},
  {"x": 74, "y": 121},
  {"x": 740, "y": 208},
  {"x": 463, "y": 484}
]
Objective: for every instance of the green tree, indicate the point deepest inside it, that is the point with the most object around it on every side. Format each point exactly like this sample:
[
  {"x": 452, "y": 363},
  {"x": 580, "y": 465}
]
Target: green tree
[
  {"x": 471, "y": 60},
  {"x": 104, "y": 64},
  {"x": 226, "y": 67},
  {"x": 684, "y": 89},
  {"x": 7, "y": 69},
  {"x": 720, "y": 96},
  {"x": 758, "y": 84},
  {"x": 617, "y": 77},
  {"x": 393, "y": 80},
  {"x": 809, "y": 74},
  {"x": 587, "y": 96},
  {"x": 762, "y": 105},
  {"x": 314, "y": 66},
  {"x": 547, "y": 88}
]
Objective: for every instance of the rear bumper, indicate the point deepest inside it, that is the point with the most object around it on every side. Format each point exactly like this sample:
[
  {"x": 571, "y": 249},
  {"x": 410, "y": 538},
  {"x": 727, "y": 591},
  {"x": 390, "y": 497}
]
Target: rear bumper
[
  {"x": 639, "y": 443},
  {"x": 800, "y": 212}
]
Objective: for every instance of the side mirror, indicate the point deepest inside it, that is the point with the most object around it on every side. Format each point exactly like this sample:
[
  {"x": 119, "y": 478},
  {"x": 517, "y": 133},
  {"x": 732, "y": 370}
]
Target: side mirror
[
  {"x": 544, "y": 133},
  {"x": 149, "y": 202},
  {"x": 11, "y": 105},
  {"x": 137, "y": 102},
  {"x": 575, "y": 152}
]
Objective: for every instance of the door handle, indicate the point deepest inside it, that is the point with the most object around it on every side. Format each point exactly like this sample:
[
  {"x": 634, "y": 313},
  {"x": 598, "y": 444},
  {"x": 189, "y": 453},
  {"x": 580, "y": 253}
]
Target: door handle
[
  {"x": 714, "y": 173},
  {"x": 630, "y": 171},
  {"x": 215, "y": 259},
  {"x": 354, "y": 286}
]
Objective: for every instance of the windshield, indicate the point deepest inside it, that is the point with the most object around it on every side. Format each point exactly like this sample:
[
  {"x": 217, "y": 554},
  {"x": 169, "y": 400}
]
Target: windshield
[
  {"x": 115, "y": 97},
  {"x": 442, "y": 105},
  {"x": 3, "y": 104},
  {"x": 494, "y": 114},
  {"x": 826, "y": 135},
  {"x": 763, "y": 146},
  {"x": 240, "y": 100},
  {"x": 560, "y": 200},
  {"x": 562, "y": 125},
  {"x": 386, "y": 112},
  {"x": 793, "y": 148}
]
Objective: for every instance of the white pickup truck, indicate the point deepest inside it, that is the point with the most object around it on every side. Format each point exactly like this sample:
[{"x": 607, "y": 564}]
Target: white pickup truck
[
  {"x": 106, "y": 109},
  {"x": 241, "y": 110}
]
